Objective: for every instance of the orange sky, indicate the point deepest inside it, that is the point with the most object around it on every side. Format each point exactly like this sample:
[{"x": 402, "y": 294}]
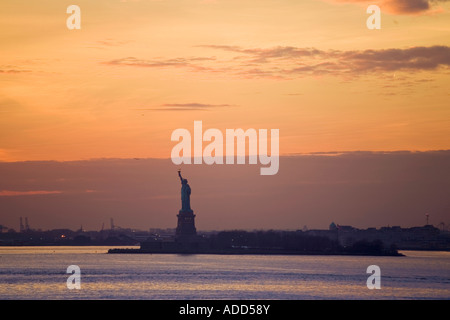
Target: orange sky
[{"x": 137, "y": 70}]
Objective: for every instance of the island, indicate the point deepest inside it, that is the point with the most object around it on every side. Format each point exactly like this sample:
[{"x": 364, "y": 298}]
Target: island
[{"x": 187, "y": 241}]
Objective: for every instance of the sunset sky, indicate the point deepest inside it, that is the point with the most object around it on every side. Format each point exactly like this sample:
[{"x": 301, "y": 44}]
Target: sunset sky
[{"x": 139, "y": 69}]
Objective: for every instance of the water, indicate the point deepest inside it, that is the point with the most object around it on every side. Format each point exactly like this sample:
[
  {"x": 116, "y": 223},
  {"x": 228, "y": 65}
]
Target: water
[{"x": 40, "y": 273}]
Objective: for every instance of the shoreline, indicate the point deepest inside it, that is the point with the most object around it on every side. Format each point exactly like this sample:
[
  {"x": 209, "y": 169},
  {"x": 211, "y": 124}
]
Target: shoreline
[{"x": 251, "y": 252}]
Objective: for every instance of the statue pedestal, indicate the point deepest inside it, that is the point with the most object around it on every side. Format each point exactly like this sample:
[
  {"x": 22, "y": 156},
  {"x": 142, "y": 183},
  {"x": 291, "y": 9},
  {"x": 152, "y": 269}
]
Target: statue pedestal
[{"x": 186, "y": 224}]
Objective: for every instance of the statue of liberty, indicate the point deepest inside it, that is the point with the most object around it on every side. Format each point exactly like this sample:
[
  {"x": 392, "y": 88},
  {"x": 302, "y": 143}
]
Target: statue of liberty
[{"x": 185, "y": 194}]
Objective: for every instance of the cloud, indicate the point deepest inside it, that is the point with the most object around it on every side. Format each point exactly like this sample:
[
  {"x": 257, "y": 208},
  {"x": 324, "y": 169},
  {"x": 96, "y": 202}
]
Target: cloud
[
  {"x": 112, "y": 43},
  {"x": 415, "y": 58},
  {"x": 159, "y": 62},
  {"x": 292, "y": 61},
  {"x": 287, "y": 62},
  {"x": 13, "y": 71},
  {"x": 400, "y": 7},
  {"x": 108, "y": 43},
  {"x": 262, "y": 55},
  {"x": 10, "y": 193},
  {"x": 187, "y": 106}
]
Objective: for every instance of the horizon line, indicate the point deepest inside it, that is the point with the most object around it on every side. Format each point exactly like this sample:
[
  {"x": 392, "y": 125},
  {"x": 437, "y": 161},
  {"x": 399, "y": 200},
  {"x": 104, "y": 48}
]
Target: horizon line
[
  {"x": 221, "y": 230},
  {"x": 285, "y": 155}
]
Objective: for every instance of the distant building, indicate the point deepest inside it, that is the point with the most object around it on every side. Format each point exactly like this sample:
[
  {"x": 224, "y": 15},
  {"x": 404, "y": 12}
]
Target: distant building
[{"x": 416, "y": 238}]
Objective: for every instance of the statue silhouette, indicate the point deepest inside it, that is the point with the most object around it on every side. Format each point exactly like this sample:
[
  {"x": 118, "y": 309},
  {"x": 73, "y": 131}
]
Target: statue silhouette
[{"x": 185, "y": 194}]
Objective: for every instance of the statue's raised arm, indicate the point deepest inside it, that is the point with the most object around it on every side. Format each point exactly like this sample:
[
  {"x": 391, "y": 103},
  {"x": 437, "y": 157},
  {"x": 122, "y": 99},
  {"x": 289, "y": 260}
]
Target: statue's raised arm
[{"x": 179, "y": 174}]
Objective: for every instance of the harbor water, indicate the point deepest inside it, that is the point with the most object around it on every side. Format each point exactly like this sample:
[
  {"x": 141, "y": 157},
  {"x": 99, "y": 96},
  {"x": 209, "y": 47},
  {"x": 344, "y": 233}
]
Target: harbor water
[{"x": 41, "y": 273}]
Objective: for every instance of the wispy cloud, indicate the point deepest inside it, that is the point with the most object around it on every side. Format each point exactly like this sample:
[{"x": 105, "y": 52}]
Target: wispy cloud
[
  {"x": 400, "y": 7},
  {"x": 10, "y": 193},
  {"x": 108, "y": 43},
  {"x": 190, "y": 62},
  {"x": 6, "y": 70},
  {"x": 287, "y": 62},
  {"x": 415, "y": 58},
  {"x": 294, "y": 62},
  {"x": 186, "y": 106}
]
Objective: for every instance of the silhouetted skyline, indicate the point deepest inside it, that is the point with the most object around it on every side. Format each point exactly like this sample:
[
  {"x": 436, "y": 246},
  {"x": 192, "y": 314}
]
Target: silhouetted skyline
[{"x": 362, "y": 189}]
